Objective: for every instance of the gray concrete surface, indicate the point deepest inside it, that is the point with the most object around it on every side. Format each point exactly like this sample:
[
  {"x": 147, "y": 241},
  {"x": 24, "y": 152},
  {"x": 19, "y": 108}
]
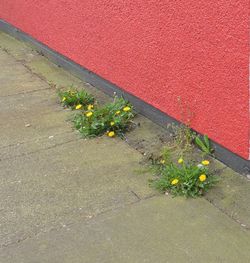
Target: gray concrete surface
[{"x": 65, "y": 199}]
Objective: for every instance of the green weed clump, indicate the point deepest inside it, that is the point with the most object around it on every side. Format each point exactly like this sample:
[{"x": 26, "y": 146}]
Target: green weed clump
[
  {"x": 183, "y": 178},
  {"x": 75, "y": 99},
  {"x": 113, "y": 119}
]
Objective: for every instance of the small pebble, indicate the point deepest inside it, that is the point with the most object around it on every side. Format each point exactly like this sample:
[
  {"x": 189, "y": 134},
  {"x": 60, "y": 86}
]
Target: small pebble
[{"x": 27, "y": 125}]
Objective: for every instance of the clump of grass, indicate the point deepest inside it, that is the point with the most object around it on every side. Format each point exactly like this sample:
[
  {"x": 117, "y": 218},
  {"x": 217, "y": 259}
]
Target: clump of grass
[
  {"x": 76, "y": 99},
  {"x": 114, "y": 119},
  {"x": 183, "y": 178}
]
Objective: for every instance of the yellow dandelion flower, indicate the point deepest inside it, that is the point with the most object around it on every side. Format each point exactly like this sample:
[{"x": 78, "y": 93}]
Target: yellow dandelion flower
[
  {"x": 90, "y": 107},
  {"x": 205, "y": 162},
  {"x": 180, "y": 160},
  {"x": 162, "y": 161},
  {"x": 127, "y": 108},
  {"x": 118, "y": 112},
  {"x": 202, "y": 177},
  {"x": 112, "y": 123},
  {"x": 78, "y": 107},
  {"x": 175, "y": 181},
  {"x": 111, "y": 134},
  {"x": 89, "y": 114},
  {"x": 64, "y": 98}
]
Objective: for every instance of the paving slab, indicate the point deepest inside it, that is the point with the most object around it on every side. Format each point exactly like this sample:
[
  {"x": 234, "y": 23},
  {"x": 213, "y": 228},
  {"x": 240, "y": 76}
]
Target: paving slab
[
  {"x": 162, "y": 230},
  {"x": 65, "y": 183},
  {"x": 19, "y": 50},
  {"x": 28, "y": 116},
  {"x": 13, "y": 74},
  {"x": 38, "y": 143},
  {"x": 232, "y": 196}
]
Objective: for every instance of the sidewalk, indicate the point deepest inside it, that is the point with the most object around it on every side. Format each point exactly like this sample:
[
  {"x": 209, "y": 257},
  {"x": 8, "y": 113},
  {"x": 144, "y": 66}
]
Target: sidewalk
[{"x": 66, "y": 199}]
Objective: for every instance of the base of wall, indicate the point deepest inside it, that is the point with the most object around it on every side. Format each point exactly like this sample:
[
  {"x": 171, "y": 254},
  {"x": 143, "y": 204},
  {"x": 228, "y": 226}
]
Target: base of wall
[{"x": 229, "y": 158}]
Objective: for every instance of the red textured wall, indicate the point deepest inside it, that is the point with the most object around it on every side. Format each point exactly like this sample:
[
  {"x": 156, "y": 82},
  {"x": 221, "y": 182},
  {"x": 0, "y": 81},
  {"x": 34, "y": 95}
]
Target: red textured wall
[{"x": 157, "y": 50}]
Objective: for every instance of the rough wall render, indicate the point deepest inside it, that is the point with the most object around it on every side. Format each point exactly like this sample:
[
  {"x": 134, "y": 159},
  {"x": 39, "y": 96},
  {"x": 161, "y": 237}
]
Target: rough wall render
[{"x": 157, "y": 50}]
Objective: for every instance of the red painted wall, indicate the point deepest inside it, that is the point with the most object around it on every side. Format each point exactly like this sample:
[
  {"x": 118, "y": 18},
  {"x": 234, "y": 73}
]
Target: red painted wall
[{"x": 157, "y": 50}]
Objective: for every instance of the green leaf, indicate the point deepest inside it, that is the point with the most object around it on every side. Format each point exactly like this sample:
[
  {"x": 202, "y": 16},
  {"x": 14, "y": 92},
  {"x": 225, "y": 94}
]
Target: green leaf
[{"x": 206, "y": 140}]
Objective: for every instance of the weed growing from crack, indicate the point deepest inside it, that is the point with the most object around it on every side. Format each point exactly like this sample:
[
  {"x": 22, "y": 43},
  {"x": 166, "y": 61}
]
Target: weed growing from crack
[
  {"x": 75, "y": 99},
  {"x": 181, "y": 178},
  {"x": 113, "y": 119}
]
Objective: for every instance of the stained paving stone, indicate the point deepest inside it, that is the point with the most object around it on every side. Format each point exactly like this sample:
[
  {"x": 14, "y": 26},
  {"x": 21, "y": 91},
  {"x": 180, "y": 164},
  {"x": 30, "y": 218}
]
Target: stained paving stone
[
  {"x": 37, "y": 144},
  {"x": 12, "y": 75},
  {"x": 28, "y": 116},
  {"x": 65, "y": 183},
  {"x": 61, "y": 78},
  {"x": 232, "y": 195},
  {"x": 159, "y": 230},
  {"x": 19, "y": 50},
  {"x": 65, "y": 199}
]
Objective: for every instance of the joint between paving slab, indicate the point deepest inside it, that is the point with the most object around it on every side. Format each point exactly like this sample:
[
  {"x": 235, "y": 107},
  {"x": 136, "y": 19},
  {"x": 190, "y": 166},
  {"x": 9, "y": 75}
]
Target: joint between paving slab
[
  {"x": 26, "y": 92},
  {"x": 41, "y": 150},
  {"x": 135, "y": 194},
  {"x": 41, "y": 138},
  {"x": 227, "y": 214},
  {"x": 23, "y": 62},
  {"x": 20, "y": 240},
  {"x": 87, "y": 218}
]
